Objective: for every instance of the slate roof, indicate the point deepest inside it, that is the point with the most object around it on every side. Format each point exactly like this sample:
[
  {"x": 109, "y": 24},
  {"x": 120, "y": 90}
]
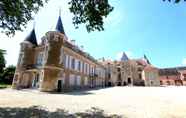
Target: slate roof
[
  {"x": 171, "y": 71},
  {"x": 124, "y": 57},
  {"x": 141, "y": 62},
  {"x": 59, "y": 26},
  {"x": 150, "y": 68},
  {"x": 76, "y": 49},
  {"x": 168, "y": 71},
  {"x": 32, "y": 37}
]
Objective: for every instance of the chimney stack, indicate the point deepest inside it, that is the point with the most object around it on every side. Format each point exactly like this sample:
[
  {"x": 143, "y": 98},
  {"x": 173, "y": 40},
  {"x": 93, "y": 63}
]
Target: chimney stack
[{"x": 73, "y": 42}]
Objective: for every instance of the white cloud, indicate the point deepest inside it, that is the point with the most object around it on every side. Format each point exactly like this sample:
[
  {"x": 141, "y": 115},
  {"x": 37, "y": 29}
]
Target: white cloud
[
  {"x": 184, "y": 61},
  {"x": 12, "y": 46},
  {"x": 119, "y": 55},
  {"x": 129, "y": 54}
]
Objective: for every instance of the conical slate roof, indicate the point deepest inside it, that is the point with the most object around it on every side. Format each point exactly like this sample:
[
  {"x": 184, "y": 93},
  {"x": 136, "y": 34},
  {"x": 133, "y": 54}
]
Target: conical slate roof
[
  {"x": 59, "y": 26},
  {"x": 124, "y": 57},
  {"x": 32, "y": 38}
]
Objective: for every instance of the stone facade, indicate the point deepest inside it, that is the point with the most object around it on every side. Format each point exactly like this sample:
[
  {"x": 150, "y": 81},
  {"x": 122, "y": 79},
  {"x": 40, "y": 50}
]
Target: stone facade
[
  {"x": 173, "y": 76},
  {"x": 150, "y": 75},
  {"x": 130, "y": 72},
  {"x": 183, "y": 76},
  {"x": 56, "y": 64}
]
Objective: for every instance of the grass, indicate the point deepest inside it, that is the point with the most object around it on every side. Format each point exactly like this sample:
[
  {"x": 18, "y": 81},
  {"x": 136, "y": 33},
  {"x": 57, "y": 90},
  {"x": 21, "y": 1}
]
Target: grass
[{"x": 2, "y": 85}]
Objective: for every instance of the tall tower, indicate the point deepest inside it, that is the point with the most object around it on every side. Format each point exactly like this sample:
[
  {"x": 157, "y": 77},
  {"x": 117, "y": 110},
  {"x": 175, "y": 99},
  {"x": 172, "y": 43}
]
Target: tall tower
[
  {"x": 124, "y": 57},
  {"x": 25, "y": 61},
  {"x": 52, "y": 65}
]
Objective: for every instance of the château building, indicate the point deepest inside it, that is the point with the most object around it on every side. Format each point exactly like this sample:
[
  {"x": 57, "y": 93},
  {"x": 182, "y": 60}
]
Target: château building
[
  {"x": 56, "y": 64},
  {"x": 132, "y": 72},
  {"x": 173, "y": 76}
]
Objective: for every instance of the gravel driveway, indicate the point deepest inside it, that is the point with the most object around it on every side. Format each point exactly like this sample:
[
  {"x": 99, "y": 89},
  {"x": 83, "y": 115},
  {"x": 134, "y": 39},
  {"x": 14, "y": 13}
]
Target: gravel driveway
[{"x": 131, "y": 102}]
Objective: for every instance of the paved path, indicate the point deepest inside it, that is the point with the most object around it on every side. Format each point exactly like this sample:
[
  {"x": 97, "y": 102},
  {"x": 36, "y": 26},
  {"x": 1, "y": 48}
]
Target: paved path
[{"x": 132, "y": 102}]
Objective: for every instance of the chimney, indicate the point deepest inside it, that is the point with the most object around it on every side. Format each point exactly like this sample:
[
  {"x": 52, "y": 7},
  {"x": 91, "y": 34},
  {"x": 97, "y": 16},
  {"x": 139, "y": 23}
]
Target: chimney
[
  {"x": 82, "y": 47},
  {"x": 73, "y": 42}
]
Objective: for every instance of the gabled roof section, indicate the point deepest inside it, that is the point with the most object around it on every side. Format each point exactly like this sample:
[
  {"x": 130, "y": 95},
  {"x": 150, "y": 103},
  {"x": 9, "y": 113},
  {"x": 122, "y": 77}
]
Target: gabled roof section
[
  {"x": 32, "y": 37},
  {"x": 141, "y": 62},
  {"x": 168, "y": 71},
  {"x": 124, "y": 57},
  {"x": 59, "y": 26}
]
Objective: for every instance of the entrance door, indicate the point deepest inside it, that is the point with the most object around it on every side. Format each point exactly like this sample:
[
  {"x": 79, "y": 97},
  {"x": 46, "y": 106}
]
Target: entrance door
[
  {"x": 119, "y": 83},
  {"x": 59, "y": 86},
  {"x": 129, "y": 81},
  {"x": 35, "y": 83}
]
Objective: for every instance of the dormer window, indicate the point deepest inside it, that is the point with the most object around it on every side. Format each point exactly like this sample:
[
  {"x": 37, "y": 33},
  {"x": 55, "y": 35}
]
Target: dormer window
[{"x": 73, "y": 63}]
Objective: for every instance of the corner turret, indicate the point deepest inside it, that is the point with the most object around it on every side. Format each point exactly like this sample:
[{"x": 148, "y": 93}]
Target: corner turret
[
  {"x": 26, "y": 61},
  {"x": 32, "y": 38}
]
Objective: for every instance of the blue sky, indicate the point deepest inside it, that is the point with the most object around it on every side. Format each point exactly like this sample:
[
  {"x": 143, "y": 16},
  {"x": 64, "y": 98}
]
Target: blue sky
[{"x": 138, "y": 27}]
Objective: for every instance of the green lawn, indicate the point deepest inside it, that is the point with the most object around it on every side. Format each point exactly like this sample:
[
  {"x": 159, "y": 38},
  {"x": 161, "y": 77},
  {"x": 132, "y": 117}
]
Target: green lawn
[{"x": 2, "y": 85}]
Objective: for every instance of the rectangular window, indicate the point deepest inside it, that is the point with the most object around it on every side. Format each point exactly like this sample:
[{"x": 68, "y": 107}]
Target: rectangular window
[
  {"x": 39, "y": 59},
  {"x": 76, "y": 64},
  {"x": 93, "y": 70},
  {"x": 81, "y": 69},
  {"x": 73, "y": 63},
  {"x": 83, "y": 65},
  {"x": 90, "y": 69},
  {"x": 139, "y": 75},
  {"x": 20, "y": 58},
  {"x": 78, "y": 80},
  {"x": 62, "y": 57},
  {"x": 87, "y": 69},
  {"x": 64, "y": 60},
  {"x": 72, "y": 80},
  {"x": 79, "y": 66},
  {"x": 86, "y": 81},
  {"x": 184, "y": 77},
  {"x": 69, "y": 62}
]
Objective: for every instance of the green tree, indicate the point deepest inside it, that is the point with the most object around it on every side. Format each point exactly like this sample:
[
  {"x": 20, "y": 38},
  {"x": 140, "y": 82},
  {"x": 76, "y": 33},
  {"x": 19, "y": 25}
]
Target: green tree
[
  {"x": 8, "y": 74},
  {"x": 176, "y": 1},
  {"x": 15, "y": 14},
  {"x": 2, "y": 60}
]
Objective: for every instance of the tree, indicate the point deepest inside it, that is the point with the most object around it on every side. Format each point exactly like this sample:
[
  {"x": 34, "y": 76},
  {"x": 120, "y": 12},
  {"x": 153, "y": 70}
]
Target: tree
[
  {"x": 176, "y": 1},
  {"x": 8, "y": 74},
  {"x": 90, "y": 12},
  {"x": 15, "y": 14},
  {"x": 2, "y": 60}
]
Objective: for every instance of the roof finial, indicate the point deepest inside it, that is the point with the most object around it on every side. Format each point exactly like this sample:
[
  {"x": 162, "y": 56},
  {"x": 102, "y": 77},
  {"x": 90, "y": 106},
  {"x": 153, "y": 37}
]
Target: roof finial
[
  {"x": 34, "y": 24},
  {"x": 59, "y": 11}
]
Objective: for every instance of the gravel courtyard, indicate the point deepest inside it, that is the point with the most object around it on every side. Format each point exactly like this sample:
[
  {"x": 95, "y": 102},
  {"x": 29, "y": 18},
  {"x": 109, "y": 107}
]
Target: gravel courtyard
[{"x": 131, "y": 102}]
